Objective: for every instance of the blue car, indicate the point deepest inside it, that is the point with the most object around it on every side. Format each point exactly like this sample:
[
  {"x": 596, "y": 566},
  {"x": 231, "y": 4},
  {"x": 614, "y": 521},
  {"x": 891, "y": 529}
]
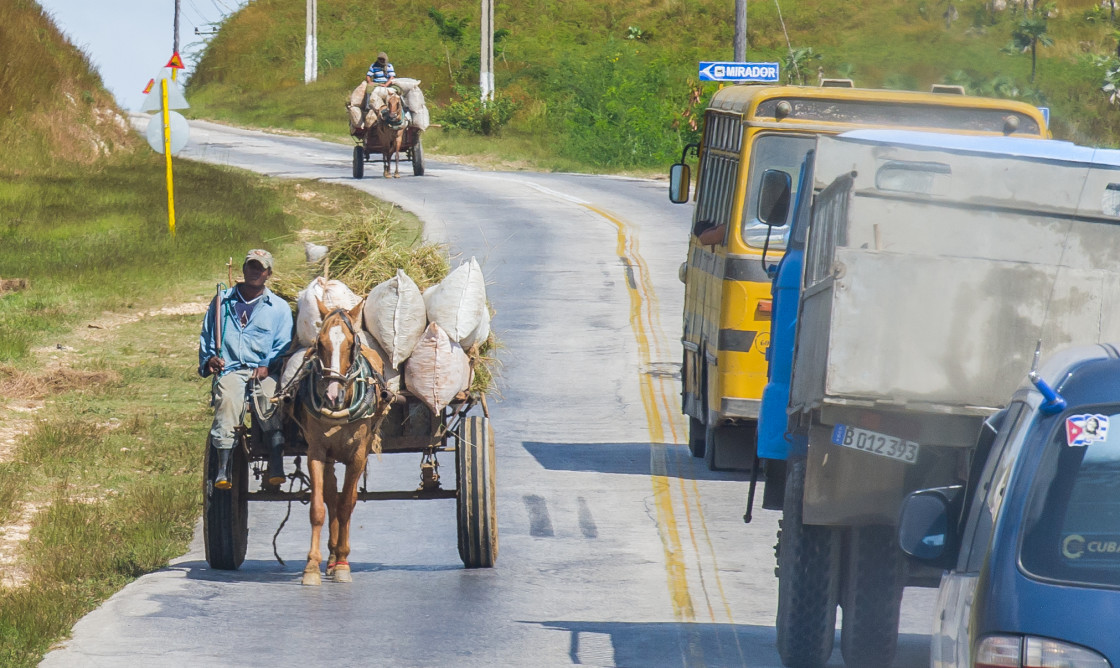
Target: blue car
[{"x": 1031, "y": 544}]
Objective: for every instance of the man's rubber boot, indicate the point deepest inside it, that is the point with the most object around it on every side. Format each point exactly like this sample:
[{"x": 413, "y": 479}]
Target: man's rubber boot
[
  {"x": 276, "y": 475},
  {"x": 221, "y": 480}
]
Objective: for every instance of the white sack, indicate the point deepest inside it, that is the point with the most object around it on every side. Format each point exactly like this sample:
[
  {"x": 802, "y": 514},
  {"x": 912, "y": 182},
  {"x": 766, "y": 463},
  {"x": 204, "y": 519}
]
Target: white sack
[
  {"x": 479, "y": 334},
  {"x": 406, "y": 84},
  {"x": 334, "y": 294},
  {"x": 414, "y": 101},
  {"x": 457, "y": 303},
  {"x": 291, "y": 367},
  {"x": 437, "y": 370},
  {"x": 392, "y": 376},
  {"x": 394, "y": 313}
]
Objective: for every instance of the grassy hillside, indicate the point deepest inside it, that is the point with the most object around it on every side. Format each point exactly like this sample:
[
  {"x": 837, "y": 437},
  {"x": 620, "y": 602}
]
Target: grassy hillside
[
  {"x": 103, "y": 419},
  {"x": 612, "y": 83}
]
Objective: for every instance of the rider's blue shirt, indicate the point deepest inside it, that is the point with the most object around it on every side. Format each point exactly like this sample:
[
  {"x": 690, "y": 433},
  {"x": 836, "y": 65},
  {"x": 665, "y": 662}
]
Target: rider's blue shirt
[{"x": 259, "y": 342}]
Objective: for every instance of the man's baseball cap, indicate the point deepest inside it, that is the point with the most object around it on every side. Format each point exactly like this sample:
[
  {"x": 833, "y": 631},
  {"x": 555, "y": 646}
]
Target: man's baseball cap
[{"x": 260, "y": 255}]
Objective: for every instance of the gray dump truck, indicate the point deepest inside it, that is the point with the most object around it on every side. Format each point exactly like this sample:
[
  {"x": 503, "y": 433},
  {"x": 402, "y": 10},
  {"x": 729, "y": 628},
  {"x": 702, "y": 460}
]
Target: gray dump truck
[{"x": 931, "y": 268}]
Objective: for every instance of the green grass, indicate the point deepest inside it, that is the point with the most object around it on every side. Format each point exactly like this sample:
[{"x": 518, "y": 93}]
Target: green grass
[{"x": 591, "y": 99}]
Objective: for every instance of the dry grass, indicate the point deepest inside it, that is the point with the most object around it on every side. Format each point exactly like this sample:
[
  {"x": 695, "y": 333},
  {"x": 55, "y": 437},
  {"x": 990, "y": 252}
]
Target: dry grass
[{"x": 22, "y": 384}]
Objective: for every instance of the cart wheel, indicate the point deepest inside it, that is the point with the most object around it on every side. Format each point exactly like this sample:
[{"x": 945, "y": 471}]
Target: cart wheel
[
  {"x": 475, "y": 501},
  {"x": 359, "y": 162},
  {"x": 225, "y": 512},
  {"x": 418, "y": 158}
]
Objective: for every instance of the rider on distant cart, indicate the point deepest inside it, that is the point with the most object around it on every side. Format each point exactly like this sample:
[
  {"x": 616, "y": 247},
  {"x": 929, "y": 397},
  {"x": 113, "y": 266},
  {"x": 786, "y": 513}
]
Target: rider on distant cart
[
  {"x": 256, "y": 331},
  {"x": 381, "y": 75}
]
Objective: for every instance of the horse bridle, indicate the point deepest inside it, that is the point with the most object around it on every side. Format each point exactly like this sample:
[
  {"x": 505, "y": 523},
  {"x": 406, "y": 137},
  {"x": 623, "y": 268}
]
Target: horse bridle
[{"x": 360, "y": 376}]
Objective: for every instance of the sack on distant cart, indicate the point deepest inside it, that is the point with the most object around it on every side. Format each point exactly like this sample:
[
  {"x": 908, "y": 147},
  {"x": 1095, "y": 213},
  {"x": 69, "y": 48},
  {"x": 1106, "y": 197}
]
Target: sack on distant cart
[{"x": 354, "y": 105}]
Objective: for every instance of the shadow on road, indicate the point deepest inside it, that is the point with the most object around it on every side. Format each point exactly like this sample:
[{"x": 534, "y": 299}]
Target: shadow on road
[
  {"x": 271, "y": 571},
  {"x": 626, "y": 458},
  {"x": 689, "y": 645}
]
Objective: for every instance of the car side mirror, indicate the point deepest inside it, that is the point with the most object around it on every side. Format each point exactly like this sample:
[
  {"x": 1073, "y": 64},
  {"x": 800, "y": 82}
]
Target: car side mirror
[
  {"x": 774, "y": 197},
  {"x": 928, "y": 525},
  {"x": 680, "y": 177}
]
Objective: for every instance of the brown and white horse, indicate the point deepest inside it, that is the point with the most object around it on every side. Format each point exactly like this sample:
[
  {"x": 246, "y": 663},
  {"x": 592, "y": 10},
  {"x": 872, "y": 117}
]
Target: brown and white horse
[
  {"x": 387, "y": 133},
  {"x": 341, "y": 406}
]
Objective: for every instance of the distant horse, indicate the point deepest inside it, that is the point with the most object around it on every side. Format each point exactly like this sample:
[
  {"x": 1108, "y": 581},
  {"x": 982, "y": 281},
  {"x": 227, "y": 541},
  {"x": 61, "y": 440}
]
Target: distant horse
[
  {"x": 341, "y": 405},
  {"x": 387, "y": 132}
]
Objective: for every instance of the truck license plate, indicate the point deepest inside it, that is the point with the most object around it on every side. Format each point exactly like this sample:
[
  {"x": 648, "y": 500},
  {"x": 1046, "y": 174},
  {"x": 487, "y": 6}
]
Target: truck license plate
[{"x": 875, "y": 443}]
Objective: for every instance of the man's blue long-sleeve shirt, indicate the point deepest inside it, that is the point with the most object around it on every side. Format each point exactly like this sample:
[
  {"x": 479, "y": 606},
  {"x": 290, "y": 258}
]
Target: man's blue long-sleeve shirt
[{"x": 259, "y": 343}]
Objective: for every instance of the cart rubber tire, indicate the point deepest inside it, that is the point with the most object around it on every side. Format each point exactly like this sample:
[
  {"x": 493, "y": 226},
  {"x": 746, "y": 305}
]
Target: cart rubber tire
[
  {"x": 225, "y": 512},
  {"x": 730, "y": 447},
  {"x": 359, "y": 162},
  {"x": 871, "y": 597},
  {"x": 475, "y": 500},
  {"x": 808, "y": 580},
  {"x": 696, "y": 437},
  {"x": 418, "y": 157}
]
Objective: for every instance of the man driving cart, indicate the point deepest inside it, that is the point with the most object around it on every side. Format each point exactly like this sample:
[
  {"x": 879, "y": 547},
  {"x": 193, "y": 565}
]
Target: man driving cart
[{"x": 243, "y": 348}]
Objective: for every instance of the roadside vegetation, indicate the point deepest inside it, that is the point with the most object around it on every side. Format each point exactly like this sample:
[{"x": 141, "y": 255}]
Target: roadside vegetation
[
  {"x": 610, "y": 85},
  {"x": 102, "y": 416}
]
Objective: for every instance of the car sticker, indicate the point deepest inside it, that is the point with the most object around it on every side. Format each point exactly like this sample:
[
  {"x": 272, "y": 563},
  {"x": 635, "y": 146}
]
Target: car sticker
[{"x": 1081, "y": 430}]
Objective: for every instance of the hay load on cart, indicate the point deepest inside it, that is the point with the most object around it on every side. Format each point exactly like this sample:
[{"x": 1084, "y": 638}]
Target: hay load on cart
[
  {"x": 388, "y": 120},
  {"x": 433, "y": 346}
]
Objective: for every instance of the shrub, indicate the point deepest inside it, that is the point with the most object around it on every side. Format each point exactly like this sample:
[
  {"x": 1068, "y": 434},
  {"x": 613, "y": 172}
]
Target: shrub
[{"x": 473, "y": 115}]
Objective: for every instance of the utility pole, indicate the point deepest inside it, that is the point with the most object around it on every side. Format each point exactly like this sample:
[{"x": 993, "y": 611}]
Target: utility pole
[
  {"x": 311, "y": 53},
  {"x": 175, "y": 43},
  {"x": 486, "y": 65},
  {"x": 740, "y": 31}
]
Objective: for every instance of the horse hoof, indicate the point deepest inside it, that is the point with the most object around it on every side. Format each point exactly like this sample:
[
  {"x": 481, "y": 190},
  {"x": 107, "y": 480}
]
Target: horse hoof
[
  {"x": 312, "y": 578},
  {"x": 342, "y": 574},
  {"x": 330, "y": 568}
]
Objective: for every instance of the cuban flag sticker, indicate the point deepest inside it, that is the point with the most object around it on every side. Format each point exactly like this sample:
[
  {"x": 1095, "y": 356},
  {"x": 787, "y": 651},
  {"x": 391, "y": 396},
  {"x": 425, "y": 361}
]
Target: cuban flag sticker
[{"x": 1081, "y": 430}]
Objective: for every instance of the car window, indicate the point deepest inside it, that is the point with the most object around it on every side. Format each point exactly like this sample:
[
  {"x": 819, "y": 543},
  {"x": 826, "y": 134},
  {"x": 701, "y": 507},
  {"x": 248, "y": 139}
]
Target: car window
[
  {"x": 1072, "y": 524},
  {"x": 990, "y": 488}
]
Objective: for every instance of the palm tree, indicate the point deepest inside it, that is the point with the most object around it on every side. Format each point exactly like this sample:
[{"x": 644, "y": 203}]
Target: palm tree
[{"x": 1030, "y": 32}]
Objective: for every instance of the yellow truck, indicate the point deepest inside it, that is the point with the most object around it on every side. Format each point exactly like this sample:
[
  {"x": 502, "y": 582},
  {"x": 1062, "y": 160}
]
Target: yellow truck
[{"x": 749, "y": 129}]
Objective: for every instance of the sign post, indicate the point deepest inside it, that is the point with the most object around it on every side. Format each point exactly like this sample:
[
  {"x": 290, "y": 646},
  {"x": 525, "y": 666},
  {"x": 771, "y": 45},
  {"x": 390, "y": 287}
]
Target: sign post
[
  {"x": 739, "y": 72},
  {"x": 173, "y": 127}
]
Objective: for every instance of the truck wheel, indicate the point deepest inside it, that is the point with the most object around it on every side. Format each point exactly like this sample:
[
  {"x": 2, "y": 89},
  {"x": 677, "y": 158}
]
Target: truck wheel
[
  {"x": 871, "y": 597},
  {"x": 695, "y": 437},
  {"x": 808, "y": 582},
  {"x": 476, "y": 502},
  {"x": 730, "y": 447},
  {"x": 359, "y": 162},
  {"x": 225, "y": 512}
]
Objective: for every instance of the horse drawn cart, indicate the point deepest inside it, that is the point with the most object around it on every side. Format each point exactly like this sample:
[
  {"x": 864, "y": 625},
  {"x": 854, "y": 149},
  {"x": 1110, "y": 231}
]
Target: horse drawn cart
[
  {"x": 409, "y": 426},
  {"x": 388, "y": 126}
]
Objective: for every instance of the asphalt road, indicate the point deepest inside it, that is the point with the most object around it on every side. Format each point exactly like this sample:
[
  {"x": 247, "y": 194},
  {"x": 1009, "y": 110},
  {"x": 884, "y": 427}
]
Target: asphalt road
[{"x": 617, "y": 547}]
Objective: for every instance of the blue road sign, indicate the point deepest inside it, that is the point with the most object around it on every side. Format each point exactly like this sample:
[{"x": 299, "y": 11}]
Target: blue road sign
[
  {"x": 739, "y": 72},
  {"x": 1045, "y": 115}
]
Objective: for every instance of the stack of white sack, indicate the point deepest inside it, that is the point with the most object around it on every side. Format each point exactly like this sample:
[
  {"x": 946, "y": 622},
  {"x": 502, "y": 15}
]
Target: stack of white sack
[
  {"x": 354, "y": 104},
  {"x": 458, "y": 305},
  {"x": 414, "y": 101},
  {"x": 333, "y": 294},
  {"x": 394, "y": 314}
]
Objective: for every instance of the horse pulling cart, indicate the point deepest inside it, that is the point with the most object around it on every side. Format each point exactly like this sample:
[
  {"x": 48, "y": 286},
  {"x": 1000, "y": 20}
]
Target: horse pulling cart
[
  {"x": 388, "y": 128},
  {"x": 368, "y": 145},
  {"x": 409, "y": 426}
]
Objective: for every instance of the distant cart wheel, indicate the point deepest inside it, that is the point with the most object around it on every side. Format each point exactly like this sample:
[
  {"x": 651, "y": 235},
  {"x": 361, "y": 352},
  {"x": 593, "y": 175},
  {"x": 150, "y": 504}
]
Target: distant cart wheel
[
  {"x": 418, "y": 158},
  {"x": 225, "y": 512},
  {"x": 476, "y": 501},
  {"x": 359, "y": 162}
]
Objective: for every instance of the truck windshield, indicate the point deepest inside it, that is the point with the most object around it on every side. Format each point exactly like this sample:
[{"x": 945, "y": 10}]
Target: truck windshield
[
  {"x": 772, "y": 151},
  {"x": 1073, "y": 518}
]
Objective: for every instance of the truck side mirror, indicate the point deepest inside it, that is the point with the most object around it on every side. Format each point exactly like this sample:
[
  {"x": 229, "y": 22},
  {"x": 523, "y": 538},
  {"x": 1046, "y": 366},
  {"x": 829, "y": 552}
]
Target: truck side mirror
[
  {"x": 928, "y": 525},
  {"x": 774, "y": 197},
  {"x": 680, "y": 177}
]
